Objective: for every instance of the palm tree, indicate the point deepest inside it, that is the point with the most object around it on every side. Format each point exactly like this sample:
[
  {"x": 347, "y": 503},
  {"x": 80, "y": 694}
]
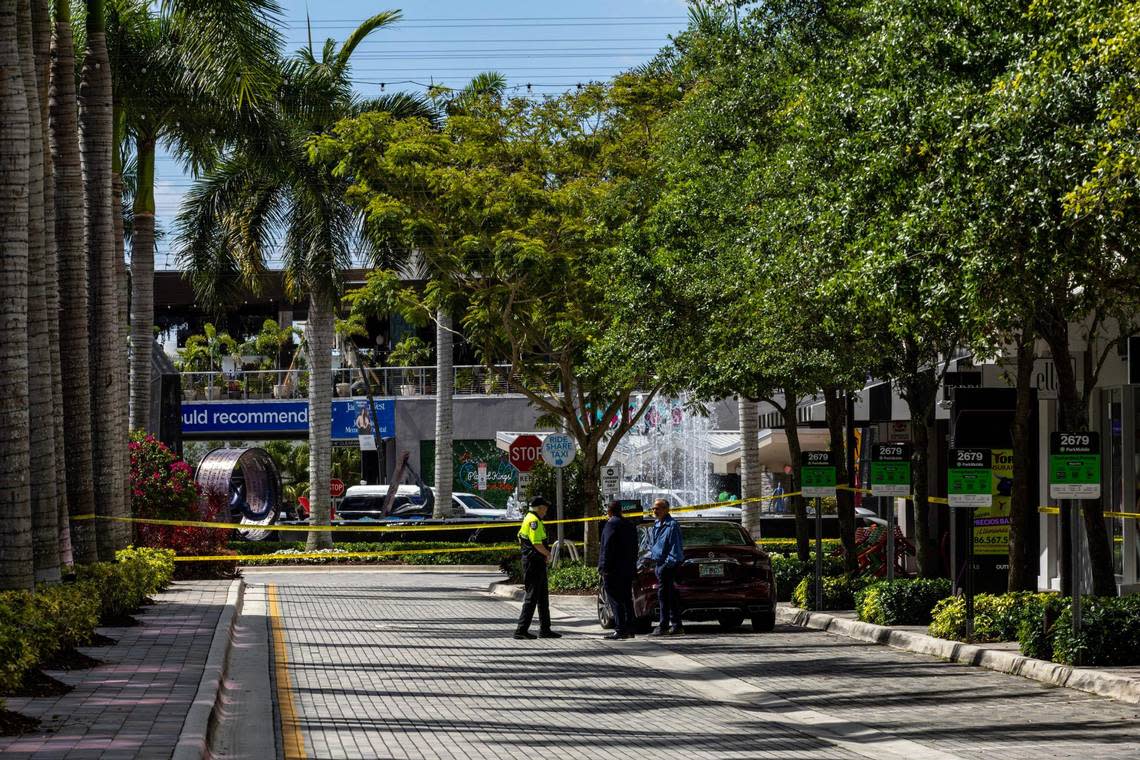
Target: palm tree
[
  {"x": 177, "y": 67},
  {"x": 264, "y": 190},
  {"x": 15, "y": 507},
  {"x": 45, "y": 513},
  {"x": 97, "y": 134},
  {"x": 42, "y": 33},
  {"x": 74, "y": 332}
]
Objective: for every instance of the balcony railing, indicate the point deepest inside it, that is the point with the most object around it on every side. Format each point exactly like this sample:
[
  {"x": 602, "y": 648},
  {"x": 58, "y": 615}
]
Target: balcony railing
[{"x": 470, "y": 380}]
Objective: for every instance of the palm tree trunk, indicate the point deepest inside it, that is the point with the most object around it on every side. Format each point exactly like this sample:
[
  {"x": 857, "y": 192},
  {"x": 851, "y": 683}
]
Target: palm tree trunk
[
  {"x": 123, "y": 530},
  {"x": 45, "y": 515},
  {"x": 15, "y": 504},
  {"x": 444, "y": 414},
  {"x": 750, "y": 485},
  {"x": 41, "y": 29},
  {"x": 96, "y": 144},
  {"x": 142, "y": 284},
  {"x": 319, "y": 339},
  {"x": 74, "y": 345}
]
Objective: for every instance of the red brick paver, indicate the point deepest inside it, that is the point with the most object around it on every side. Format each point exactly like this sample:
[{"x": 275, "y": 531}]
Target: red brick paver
[{"x": 134, "y": 705}]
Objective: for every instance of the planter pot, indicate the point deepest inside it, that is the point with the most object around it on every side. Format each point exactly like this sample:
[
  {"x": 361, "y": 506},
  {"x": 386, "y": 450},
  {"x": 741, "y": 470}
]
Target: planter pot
[
  {"x": 190, "y": 394},
  {"x": 407, "y": 390},
  {"x": 213, "y": 393},
  {"x": 281, "y": 391},
  {"x": 343, "y": 389}
]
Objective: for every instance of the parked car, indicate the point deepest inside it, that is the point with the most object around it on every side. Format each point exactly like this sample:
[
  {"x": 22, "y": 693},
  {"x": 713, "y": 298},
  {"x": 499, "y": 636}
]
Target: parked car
[
  {"x": 647, "y": 493},
  {"x": 725, "y": 578},
  {"x": 367, "y": 502}
]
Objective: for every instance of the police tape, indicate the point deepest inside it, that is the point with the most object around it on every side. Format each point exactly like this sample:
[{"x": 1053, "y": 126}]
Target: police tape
[
  {"x": 1051, "y": 510},
  {"x": 393, "y": 528},
  {"x": 339, "y": 555}
]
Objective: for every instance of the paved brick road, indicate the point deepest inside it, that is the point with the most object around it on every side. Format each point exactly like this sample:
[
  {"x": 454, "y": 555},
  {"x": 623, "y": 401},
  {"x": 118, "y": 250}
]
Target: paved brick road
[{"x": 408, "y": 665}]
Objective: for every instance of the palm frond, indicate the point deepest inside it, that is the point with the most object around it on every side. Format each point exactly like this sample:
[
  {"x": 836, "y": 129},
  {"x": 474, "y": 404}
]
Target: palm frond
[
  {"x": 402, "y": 105},
  {"x": 360, "y": 33}
]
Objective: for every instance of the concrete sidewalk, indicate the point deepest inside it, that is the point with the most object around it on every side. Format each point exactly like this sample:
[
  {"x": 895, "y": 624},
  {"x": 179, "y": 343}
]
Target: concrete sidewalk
[{"x": 155, "y": 688}]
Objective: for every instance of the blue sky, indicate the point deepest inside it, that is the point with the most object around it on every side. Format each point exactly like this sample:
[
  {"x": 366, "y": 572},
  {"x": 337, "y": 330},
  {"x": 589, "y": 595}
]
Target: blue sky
[{"x": 548, "y": 45}]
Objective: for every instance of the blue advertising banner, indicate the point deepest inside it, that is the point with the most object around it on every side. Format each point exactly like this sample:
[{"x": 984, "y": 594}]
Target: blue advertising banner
[{"x": 229, "y": 418}]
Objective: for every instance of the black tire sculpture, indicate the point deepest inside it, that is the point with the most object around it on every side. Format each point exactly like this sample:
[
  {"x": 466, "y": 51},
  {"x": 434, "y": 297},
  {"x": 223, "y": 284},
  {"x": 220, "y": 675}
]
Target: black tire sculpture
[{"x": 249, "y": 479}]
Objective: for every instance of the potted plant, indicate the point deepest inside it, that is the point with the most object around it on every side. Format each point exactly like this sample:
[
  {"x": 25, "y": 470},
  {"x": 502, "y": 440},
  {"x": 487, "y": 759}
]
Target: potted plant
[
  {"x": 235, "y": 388},
  {"x": 408, "y": 353},
  {"x": 269, "y": 346},
  {"x": 211, "y": 348}
]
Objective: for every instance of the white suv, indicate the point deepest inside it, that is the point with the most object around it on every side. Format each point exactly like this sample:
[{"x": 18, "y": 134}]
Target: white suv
[{"x": 368, "y": 502}]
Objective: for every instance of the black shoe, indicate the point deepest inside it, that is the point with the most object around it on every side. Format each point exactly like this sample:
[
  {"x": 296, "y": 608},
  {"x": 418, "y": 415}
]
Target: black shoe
[
  {"x": 614, "y": 636},
  {"x": 676, "y": 631},
  {"x": 549, "y": 635},
  {"x": 524, "y": 635},
  {"x": 659, "y": 632}
]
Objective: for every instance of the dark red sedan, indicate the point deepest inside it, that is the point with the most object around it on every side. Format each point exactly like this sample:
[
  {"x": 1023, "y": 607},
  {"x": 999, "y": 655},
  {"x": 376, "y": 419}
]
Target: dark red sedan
[{"x": 726, "y": 577}]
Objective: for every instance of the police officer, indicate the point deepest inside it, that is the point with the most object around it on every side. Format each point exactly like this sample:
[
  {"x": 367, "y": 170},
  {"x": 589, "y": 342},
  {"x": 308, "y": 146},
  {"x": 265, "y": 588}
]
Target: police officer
[{"x": 535, "y": 556}]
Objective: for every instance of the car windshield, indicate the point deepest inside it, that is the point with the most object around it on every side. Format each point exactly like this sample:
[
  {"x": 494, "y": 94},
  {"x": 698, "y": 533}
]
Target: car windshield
[
  {"x": 471, "y": 501},
  {"x": 713, "y": 534}
]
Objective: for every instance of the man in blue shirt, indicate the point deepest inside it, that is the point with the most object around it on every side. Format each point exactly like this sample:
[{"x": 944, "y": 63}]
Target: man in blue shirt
[{"x": 668, "y": 552}]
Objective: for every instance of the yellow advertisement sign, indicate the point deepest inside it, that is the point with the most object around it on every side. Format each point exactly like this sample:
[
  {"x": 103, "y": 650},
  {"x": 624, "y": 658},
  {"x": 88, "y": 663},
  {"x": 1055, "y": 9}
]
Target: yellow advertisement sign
[{"x": 991, "y": 524}]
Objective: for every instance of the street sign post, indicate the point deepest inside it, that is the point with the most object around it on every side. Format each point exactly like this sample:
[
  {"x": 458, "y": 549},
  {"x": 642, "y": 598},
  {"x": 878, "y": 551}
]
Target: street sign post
[
  {"x": 482, "y": 471},
  {"x": 611, "y": 479},
  {"x": 818, "y": 479},
  {"x": 336, "y": 488},
  {"x": 1074, "y": 475},
  {"x": 558, "y": 451},
  {"x": 969, "y": 484},
  {"x": 890, "y": 477},
  {"x": 524, "y": 451}
]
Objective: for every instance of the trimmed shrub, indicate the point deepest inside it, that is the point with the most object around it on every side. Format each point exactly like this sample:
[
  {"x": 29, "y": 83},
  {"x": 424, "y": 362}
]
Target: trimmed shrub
[
  {"x": 904, "y": 601},
  {"x": 997, "y": 617},
  {"x": 1039, "y": 619},
  {"x": 789, "y": 571},
  {"x": 1110, "y": 633},
  {"x": 838, "y": 592},
  {"x": 787, "y": 546},
  {"x": 18, "y": 650},
  {"x": 573, "y": 576},
  {"x": 411, "y": 553}
]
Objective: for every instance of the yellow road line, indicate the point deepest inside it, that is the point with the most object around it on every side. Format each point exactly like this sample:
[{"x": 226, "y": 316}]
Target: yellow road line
[{"x": 290, "y": 728}]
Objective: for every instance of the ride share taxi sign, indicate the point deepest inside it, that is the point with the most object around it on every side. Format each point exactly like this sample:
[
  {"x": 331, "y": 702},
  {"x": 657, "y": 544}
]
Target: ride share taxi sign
[
  {"x": 817, "y": 474},
  {"x": 969, "y": 480},
  {"x": 1074, "y": 465}
]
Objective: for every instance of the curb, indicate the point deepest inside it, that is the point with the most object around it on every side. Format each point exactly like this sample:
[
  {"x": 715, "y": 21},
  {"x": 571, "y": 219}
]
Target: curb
[
  {"x": 1099, "y": 682},
  {"x": 505, "y": 590},
  {"x": 361, "y": 567},
  {"x": 193, "y": 741}
]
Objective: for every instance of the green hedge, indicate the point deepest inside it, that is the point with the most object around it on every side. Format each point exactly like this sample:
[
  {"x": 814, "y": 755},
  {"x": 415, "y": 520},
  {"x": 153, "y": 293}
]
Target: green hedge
[
  {"x": 787, "y": 546},
  {"x": 904, "y": 601},
  {"x": 35, "y": 627},
  {"x": 419, "y": 553},
  {"x": 838, "y": 592},
  {"x": 1110, "y": 632},
  {"x": 789, "y": 571},
  {"x": 997, "y": 617},
  {"x": 573, "y": 576}
]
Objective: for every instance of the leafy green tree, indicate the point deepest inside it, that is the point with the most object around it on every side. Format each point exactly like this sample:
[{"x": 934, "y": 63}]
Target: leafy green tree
[{"x": 265, "y": 190}]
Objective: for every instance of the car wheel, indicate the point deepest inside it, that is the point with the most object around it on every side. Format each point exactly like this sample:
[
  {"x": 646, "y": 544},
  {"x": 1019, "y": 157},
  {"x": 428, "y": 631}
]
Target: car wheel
[
  {"x": 765, "y": 622},
  {"x": 730, "y": 622},
  {"x": 605, "y": 616}
]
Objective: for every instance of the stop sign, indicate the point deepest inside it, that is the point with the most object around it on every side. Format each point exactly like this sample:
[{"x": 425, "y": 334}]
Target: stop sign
[
  {"x": 525, "y": 451},
  {"x": 336, "y": 488}
]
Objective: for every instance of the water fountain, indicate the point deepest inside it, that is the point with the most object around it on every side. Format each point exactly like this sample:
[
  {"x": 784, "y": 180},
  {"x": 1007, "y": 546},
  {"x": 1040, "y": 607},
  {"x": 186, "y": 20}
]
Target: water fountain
[{"x": 667, "y": 453}]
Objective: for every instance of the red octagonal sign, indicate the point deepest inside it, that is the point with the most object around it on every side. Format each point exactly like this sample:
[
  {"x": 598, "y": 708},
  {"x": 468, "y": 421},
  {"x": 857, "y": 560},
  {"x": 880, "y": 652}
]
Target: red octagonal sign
[
  {"x": 525, "y": 451},
  {"x": 336, "y": 488}
]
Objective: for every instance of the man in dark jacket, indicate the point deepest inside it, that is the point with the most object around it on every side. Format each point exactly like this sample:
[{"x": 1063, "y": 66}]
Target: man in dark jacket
[{"x": 617, "y": 565}]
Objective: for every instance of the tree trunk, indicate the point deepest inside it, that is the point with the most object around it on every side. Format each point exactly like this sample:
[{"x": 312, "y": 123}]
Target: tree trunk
[
  {"x": 319, "y": 341},
  {"x": 835, "y": 404},
  {"x": 142, "y": 284},
  {"x": 750, "y": 480},
  {"x": 919, "y": 389},
  {"x": 96, "y": 138},
  {"x": 16, "y": 569},
  {"x": 799, "y": 504},
  {"x": 74, "y": 346},
  {"x": 1074, "y": 417},
  {"x": 444, "y": 414},
  {"x": 1022, "y": 515},
  {"x": 124, "y": 532},
  {"x": 591, "y": 493},
  {"x": 41, "y": 28},
  {"x": 45, "y": 512}
]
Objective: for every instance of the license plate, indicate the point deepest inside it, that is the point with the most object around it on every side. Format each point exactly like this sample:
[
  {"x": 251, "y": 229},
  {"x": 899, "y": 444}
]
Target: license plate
[{"x": 712, "y": 570}]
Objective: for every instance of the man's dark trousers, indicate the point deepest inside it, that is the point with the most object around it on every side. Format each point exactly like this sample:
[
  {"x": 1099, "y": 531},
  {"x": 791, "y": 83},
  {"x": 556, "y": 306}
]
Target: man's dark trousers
[
  {"x": 668, "y": 599},
  {"x": 537, "y": 594},
  {"x": 619, "y": 590}
]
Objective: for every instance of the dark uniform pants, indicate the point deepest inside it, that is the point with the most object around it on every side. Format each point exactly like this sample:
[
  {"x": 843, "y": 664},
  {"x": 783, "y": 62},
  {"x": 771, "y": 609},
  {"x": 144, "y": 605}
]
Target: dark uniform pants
[
  {"x": 619, "y": 590},
  {"x": 537, "y": 594},
  {"x": 668, "y": 598}
]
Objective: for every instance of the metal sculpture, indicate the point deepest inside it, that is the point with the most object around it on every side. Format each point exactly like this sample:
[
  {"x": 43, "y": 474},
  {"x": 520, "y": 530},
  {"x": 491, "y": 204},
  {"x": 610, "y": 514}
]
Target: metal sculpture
[{"x": 250, "y": 479}]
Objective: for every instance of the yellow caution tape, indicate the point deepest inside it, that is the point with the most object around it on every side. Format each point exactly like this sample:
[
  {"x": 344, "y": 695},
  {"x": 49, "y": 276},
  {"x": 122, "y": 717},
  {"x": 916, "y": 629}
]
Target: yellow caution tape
[{"x": 1051, "y": 510}]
